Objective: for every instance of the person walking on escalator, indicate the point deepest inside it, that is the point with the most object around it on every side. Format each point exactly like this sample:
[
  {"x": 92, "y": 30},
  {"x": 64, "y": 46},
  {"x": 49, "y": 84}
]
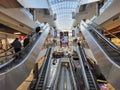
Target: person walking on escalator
[
  {"x": 38, "y": 31},
  {"x": 79, "y": 44},
  {"x": 26, "y": 41},
  {"x": 17, "y": 46}
]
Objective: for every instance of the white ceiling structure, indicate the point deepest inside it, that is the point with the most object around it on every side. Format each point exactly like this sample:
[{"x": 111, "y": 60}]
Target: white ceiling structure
[{"x": 63, "y": 11}]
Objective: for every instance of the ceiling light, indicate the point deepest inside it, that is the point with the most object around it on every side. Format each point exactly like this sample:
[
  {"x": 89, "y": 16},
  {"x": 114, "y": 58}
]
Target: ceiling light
[{"x": 17, "y": 33}]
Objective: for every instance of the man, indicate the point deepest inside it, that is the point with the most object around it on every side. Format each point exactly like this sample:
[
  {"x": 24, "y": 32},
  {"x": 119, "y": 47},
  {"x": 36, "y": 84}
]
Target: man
[
  {"x": 26, "y": 41},
  {"x": 17, "y": 45}
]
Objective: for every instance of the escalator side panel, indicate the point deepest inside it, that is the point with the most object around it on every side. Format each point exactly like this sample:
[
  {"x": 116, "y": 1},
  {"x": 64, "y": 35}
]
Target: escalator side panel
[
  {"x": 57, "y": 77},
  {"x": 15, "y": 76},
  {"x": 109, "y": 70},
  {"x": 73, "y": 78},
  {"x": 65, "y": 79},
  {"x": 97, "y": 52}
]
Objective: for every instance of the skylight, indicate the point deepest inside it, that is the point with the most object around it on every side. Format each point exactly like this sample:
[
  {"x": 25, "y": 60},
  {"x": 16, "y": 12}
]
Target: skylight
[{"x": 63, "y": 10}]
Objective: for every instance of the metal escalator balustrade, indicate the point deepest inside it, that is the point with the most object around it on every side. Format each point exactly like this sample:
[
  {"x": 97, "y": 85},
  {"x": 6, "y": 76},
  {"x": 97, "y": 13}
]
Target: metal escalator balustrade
[
  {"x": 78, "y": 76},
  {"x": 15, "y": 58},
  {"x": 104, "y": 33},
  {"x": 8, "y": 56},
  {"x": 7, "y": 52},
  {"x": 23, "y": 66},
  {"x": 42, "y": 76},
  {"x": 110, "y": 49},
  {"x": 65, "y": 79},
  {"x": 36, "y": 71},
  {"x": 90, "y": 80},
  {"x": 101, "y": 29},
  {"x": 56, "y": 78}
]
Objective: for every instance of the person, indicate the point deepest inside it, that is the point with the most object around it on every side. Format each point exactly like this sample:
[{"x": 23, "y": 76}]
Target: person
[
  {"x": 75, "y": 69},
  {"x": 26, "y": 41},
  {"x": 78, "y": 43},
  {"x": 86, "y": 65},
  {"x": 55, "y": 42},
  {"x": 38, "y": 29},
  {"x": 17, "y": 45}
]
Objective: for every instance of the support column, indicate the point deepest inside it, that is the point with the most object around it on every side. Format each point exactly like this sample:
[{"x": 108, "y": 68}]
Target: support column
[
  {"x": 34, "y": 15},
  {"x": 97, "y": 9},
  {"x": 6, "y": 42}
]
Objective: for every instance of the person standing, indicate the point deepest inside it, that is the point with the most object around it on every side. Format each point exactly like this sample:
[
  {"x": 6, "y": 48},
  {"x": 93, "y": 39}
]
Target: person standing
[
  {"x": 17, "y": 45},
  {"x": 26, "y": 41},
  {"x": 78, "y": 43},
  {"x": 38, "y": 29}
]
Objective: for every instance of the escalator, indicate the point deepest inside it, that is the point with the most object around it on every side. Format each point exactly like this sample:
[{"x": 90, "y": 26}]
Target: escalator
[
  {"x": 77, "y": 72},
  {"x": 6, "y": 56},
  {"x": 89, "y": 79},
  {"x": 14, "y": 70},
  {"x": 110, "y": 50},
  {"x": 105, "y": 52},
  {"x": 42, "y": 75},
  {"x": 65, "y": 82},
  {"x": 65, "y": 79}
]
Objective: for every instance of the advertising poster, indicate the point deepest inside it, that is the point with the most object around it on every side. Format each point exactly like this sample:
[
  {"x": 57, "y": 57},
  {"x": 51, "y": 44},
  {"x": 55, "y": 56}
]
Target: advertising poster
[{"x": 64, "y": 40}]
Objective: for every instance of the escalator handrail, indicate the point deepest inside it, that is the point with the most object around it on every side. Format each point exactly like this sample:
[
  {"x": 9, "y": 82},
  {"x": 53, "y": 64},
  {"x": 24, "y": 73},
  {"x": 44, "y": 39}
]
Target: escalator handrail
[
  {"x": 8, "y": 50},
  {"x": 84, "y": 59},
  {"x": 6, "y": 56},
  {"x": 83, "y": 69},
  {"x": 54, "y": 84},
  {"x": 103, "y": 29},
  {"x": 12, "y": 58},
  {"x": 72, "y": 77},
  {"x": 104, "y": 38},
  {"x": 5, "y": 64},
  {"x": 43, "y": 67},
  {"x": 11, "y": 48},
  {"x": 34, "y": 35},
  {"x": 48, "y": 68},
  {"x": 93, "y": 77},
  {"x": 73, "y": 68}
]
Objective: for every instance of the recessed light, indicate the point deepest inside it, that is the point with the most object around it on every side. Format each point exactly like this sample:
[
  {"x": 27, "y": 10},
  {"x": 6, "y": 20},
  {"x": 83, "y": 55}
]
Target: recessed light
[{"x": 17, "y": 33}]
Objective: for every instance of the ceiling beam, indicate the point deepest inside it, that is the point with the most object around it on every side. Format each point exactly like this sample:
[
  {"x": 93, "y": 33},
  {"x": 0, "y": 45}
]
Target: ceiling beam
[
  {"x": 9, "y": 4},
  {"x": 9, "y": 22},
  {"x": 3, "y": 35}
]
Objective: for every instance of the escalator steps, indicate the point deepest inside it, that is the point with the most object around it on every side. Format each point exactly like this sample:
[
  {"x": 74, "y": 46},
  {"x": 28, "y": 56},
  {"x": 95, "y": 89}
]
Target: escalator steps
[
  {"x": 39, "y": 88},
  {"x": 40, "y": 85}
]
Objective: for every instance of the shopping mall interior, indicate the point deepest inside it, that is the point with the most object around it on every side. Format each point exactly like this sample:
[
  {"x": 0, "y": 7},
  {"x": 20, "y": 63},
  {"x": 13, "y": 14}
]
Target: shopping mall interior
[{"x": 59, "y": 44}]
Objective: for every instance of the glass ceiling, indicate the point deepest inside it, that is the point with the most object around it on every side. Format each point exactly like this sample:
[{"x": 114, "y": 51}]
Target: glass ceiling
[{"x": 63, "y": 9}]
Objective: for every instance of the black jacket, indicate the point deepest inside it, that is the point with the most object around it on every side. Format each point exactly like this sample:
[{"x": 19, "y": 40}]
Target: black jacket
[{"x": 16, "y": 44}]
